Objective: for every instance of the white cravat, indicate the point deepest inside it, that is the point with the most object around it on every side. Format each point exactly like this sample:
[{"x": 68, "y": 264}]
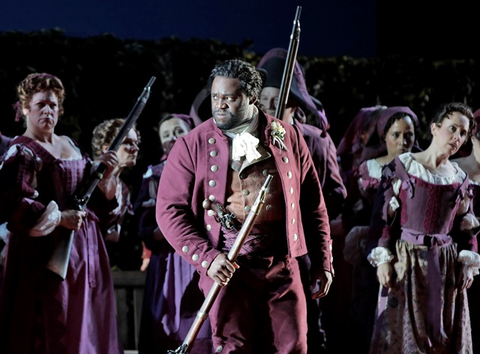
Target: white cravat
[{"x": 244, "y": 143}]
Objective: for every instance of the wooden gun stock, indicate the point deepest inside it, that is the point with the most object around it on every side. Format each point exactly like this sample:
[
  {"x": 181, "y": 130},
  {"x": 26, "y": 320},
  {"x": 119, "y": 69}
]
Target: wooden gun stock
[{"x": 58, "y": 262}]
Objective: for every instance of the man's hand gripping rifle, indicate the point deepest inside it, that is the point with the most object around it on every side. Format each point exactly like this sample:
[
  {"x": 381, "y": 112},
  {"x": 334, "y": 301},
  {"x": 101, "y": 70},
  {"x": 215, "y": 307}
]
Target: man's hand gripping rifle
[{"x": 228, "y": 221}]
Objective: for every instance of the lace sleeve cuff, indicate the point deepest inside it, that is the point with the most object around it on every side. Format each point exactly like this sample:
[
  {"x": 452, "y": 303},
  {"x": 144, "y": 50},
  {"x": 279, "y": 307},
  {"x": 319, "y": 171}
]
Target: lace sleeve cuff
[
  {"x": 48, "y": 221},
  {"x": 379, "y": 255},
  {"x": 470, "y": 259},
  {"x": 469, "y": 222}
]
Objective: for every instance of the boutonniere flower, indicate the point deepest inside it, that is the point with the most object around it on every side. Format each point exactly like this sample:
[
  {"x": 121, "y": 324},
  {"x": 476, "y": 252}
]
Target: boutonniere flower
[{"x": 277, "y": 132}]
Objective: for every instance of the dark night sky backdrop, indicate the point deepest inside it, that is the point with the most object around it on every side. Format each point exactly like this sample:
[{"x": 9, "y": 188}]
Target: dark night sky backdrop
[
  {"x": 328, "y": 28},
  {"x": 357, "y": 28}
]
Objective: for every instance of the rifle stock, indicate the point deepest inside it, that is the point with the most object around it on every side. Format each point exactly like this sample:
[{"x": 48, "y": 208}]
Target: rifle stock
[
  {"x": 232, "y": 256},
  {"x": 60, "y": 257},
  {"x": 59, "y": 260},
  {"x": 289, "y": 66}
]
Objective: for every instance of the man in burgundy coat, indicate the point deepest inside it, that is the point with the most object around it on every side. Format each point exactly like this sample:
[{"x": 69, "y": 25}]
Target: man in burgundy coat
[
  {"x": 299, "y": 109},
  {"x": 261, "y": 306}
]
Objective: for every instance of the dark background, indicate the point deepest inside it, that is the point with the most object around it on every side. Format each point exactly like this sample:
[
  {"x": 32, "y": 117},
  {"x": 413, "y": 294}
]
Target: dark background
[
  {"x": 362, "y": 28},
  {"x": 355, "y": 54},
  {"x": 328, "y": 28}
]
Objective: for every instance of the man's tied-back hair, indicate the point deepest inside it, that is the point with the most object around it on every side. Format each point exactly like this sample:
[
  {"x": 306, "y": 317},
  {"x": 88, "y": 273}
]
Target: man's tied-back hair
[{"x": 249, "y": 77}]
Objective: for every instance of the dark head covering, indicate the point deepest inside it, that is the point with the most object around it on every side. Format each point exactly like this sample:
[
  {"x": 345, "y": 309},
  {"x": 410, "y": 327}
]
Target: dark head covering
[
  {"x": 351, "y": 140},
  {"x": 185, "y": 117},
  {"x": 376, "y": 146},
  {"x": 389, "y": 112},
  {"x": 167, "y": 116},
  {"x": 273, "y": 62},
  {"x": 201, "y": 110}
]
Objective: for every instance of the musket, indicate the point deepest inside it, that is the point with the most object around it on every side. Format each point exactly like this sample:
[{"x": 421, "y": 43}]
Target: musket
[
  {"x": 58, "y": 262},
  {"x": 289, "y": 66},
  {"x": 232, "y": 256}
]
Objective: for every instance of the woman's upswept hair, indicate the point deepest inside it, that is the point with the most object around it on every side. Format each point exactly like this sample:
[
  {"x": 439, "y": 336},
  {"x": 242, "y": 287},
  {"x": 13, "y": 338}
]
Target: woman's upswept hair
[{"x": 34, "y": 83}]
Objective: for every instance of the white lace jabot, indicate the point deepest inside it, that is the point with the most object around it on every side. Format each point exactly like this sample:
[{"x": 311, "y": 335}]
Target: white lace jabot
[{"x": 243, "y": 142}]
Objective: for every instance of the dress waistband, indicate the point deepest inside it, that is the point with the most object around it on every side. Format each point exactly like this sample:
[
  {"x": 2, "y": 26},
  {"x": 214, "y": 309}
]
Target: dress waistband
[{"x": 429, "y": 240}]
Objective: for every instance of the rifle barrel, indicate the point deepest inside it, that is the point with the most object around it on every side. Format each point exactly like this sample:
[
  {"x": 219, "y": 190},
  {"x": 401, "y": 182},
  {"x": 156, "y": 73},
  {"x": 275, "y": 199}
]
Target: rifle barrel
[
  {"x": 289, "y": 66},
  {"x": 58, "y": 262},
  {"x": 232, "y": 256}
]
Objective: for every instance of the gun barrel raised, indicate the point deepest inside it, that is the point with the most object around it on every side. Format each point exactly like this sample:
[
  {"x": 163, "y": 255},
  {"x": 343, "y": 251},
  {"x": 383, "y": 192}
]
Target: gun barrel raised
[
  {"x": 289, "y": 66},
  {"x": 58, "y": 262}
]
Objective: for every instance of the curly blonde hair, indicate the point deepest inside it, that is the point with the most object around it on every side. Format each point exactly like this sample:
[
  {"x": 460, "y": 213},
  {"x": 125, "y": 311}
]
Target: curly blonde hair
[
  {"x": 38, "y": 82},
  {"x": 105, "y": 132}
]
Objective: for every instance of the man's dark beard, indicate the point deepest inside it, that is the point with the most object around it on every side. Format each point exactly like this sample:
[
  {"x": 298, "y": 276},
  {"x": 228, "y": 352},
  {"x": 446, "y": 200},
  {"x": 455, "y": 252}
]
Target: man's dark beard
[{"x": 233, "y": 120}]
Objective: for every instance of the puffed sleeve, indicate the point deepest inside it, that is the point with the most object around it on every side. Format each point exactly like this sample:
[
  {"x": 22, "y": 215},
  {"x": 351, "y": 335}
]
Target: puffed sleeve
[{"x": 18, "y": 170}]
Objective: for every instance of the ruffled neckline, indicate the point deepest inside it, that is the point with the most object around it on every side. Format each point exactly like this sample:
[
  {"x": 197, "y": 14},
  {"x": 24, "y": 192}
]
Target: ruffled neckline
[
  {"x": 374, "y": 169},
  {"x": 416, "y": 169}
]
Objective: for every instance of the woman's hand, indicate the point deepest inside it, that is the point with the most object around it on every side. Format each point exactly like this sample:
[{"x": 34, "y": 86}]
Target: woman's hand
[
  {"x": 110, "y": 159},
  {"x": 108, "y": 184},
  {"x": 72, "y": 219},
  {"x": 145, "y": 263},
  {"x": 465, "y": 277},
  {"x": 384, "y": 274}
]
